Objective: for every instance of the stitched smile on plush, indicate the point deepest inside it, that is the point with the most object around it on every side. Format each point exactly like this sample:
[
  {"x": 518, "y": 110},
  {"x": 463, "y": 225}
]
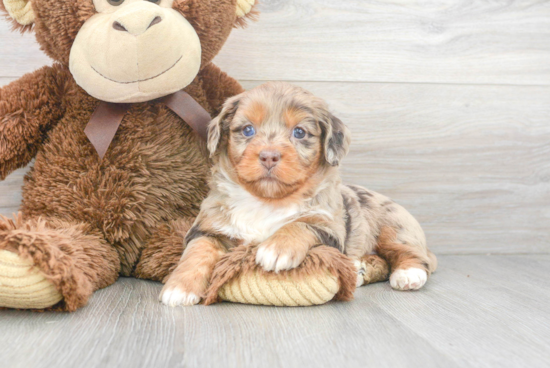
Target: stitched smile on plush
[
  {"x": 133, "y": 66},
  {"x": 140, "y": 80}
]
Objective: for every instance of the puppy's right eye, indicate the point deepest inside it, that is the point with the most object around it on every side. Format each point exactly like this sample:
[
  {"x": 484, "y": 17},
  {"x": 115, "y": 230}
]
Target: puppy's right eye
[
  {"x": 115, "y": 2},
  {"x": 249, "y": 131},
  {"x": 299, "y": 133}
]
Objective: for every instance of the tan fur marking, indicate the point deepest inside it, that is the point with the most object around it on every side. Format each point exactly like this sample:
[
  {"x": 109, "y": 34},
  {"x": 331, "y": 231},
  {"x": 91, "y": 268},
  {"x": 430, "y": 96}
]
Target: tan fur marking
[
  {"x": 400, "y": 256},
  {"x": 293, "y": 117},
  {"x": 287, "y": 176},
  {"x": 256, "y": 112},
  {"x": 195, "y": 268}
]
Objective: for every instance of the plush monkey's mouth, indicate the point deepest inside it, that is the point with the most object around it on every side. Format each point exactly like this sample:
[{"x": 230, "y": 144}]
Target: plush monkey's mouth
[{"x": 139, "y": 80}]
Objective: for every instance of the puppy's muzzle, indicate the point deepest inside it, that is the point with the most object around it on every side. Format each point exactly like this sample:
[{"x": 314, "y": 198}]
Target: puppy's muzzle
[{"x": 270, "y": 158}]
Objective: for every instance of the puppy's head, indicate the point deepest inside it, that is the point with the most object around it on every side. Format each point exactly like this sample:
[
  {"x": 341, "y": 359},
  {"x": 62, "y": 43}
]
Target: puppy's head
[{"x": 278, "y": 140}]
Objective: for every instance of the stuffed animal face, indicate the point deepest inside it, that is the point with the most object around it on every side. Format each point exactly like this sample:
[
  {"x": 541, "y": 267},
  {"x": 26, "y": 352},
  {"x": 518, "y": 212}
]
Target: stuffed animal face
[
  {"x": 135, "y": 50},
  {"x": 130, "y": 50}
]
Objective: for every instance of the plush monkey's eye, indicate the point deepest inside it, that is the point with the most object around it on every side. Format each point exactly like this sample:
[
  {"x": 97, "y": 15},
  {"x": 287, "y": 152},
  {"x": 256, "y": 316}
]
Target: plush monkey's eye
[
  {"x": 249, "y": 131},
  {"x": 299, "y": 133},
  {"x": 115, "y": 2}
]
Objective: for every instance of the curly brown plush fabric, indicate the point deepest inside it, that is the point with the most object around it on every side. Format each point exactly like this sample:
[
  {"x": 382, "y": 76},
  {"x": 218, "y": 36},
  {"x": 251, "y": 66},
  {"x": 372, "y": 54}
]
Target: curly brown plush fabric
[
  {"x": 163, "y": 251},
  {"x": 73, "y": 256},
  {"x": 85, "y": 220}
]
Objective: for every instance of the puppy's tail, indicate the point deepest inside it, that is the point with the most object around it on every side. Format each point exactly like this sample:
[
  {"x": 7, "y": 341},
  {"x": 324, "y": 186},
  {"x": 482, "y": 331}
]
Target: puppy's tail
[{"x": 433, "y": 262}]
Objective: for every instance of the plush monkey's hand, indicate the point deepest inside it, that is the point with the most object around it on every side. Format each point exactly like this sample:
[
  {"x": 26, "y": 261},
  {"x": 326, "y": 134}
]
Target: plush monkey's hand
[{"x": 29, "y": 107}]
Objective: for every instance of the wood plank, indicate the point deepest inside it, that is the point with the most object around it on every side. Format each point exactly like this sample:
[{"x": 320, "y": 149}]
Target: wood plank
[
  {"x": 6, "y": 80},
  {"x": 366, "y": 40},
  {"x": 19, "y": 53},
  {"x": 455, "y": 321},
  {"x": 470, "y": 162},
  {"x": 10, "y": 192},
  {"x": 525, "y": 275},
  {"x": 394, "y": 41}
]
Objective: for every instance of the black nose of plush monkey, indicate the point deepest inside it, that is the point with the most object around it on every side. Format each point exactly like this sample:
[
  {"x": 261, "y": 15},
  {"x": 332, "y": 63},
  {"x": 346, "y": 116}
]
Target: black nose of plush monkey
[
  {"x": 136, "y": 27},
  {"x": 269, "y": 158}
]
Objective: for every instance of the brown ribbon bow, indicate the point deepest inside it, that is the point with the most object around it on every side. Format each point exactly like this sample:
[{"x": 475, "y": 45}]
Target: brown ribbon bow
[{"x": 107, "y": 117}]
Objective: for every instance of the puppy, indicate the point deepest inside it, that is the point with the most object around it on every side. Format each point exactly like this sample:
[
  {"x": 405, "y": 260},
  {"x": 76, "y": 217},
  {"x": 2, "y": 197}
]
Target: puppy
[{"x": 275, "y": 185}]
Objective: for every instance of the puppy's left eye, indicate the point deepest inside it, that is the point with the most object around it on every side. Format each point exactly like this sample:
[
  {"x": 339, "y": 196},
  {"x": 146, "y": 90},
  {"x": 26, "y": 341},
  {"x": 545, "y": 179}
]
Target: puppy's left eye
[
  {"x": 249, "y": 131},
  {"x": 299, "y": 133}
]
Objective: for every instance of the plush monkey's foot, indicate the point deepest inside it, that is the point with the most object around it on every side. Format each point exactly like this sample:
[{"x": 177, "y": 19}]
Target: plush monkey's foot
[
  {"x": 325, "y": 274},
  {"x": 51, "y": 263},
  {"x": 23, "y": 286}
]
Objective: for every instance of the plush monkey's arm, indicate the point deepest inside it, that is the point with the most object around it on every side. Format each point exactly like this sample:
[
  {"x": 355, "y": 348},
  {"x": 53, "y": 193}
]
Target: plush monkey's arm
[
  {"x": 29, "y": 108},
  {"x": 218, "y": 86}
]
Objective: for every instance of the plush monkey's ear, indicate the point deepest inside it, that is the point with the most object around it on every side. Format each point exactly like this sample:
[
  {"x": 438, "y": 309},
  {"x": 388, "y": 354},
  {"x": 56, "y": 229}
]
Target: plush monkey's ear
[
  {"x": 246, "y": 10},
  {"x": 20, "y": 11},
  {"x": 220, "y": 125},
  {"x": 337, "y": 138}
]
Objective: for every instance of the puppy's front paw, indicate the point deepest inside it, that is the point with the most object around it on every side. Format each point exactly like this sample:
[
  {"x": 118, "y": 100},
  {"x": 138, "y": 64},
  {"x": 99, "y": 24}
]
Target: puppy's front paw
[
  {"x": 275, "y": 258},
  {"x": 409, "y": 279},
  {"x": 179, "y": 290},
  {"x": 174, "y": 296}
]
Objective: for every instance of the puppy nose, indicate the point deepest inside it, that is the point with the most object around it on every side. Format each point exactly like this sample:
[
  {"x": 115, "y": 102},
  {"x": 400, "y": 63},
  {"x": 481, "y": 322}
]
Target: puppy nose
[
  {"x": 270, "y": 158},
  {"x": 137, "y": 24}
]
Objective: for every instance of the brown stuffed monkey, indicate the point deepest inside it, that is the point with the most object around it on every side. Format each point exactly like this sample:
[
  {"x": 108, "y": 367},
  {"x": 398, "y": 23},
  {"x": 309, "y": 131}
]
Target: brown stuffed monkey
[{"x": 88, "y": 215}]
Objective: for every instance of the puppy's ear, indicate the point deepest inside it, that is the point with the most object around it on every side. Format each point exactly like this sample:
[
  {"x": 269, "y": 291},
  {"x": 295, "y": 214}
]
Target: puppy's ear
[
  {"x": 337, "y": 138},
  {"x": 220, "y": 125}
]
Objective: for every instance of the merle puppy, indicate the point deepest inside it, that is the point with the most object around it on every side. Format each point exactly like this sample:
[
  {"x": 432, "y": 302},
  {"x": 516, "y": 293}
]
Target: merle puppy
[{"x": 276, "y": 186}]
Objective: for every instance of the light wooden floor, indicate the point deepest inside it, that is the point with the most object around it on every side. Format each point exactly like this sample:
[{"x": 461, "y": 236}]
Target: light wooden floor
[{"x": 481, "y": 311}]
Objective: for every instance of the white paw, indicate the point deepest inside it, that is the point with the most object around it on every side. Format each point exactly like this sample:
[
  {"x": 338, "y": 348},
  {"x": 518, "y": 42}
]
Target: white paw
[
  {"x": 174, "y": 297},
  {"x": 360, "y": 280},
  {"x": 409, "y": 279},
  {"x": 360, "y": 273},
  {"x": 270, "y": 260}
]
